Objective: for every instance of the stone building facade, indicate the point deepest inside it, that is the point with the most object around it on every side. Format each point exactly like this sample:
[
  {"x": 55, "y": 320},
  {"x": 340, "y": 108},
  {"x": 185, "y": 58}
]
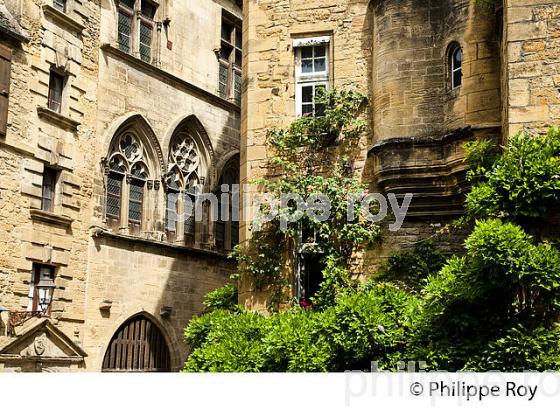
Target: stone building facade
[
  {"x": 114, "y": 114},
  {"x": 437, "y": 74}
]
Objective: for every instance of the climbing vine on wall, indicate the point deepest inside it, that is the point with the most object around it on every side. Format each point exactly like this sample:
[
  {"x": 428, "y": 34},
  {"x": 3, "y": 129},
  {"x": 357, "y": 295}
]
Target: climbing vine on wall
[{"x": 310, "y": 158}]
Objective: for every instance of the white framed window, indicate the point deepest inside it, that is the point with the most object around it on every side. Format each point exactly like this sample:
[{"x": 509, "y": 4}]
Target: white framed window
[
  {"x": 455, "y": 65},
  {"x": 312, "y": 56}
]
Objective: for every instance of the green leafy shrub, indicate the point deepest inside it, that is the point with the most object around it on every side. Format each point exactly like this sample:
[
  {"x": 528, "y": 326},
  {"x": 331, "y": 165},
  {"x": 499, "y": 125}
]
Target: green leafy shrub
[
  {"x": 360, "y": 327},
  {"x": 226, "y": 342},
  {"x": 520, "y": 349},
  {"x": 523, "y": 184},
  {"x": 224, "y": 298},
  {"x": 503, "y": 280},
  {"x": 412, "y": 268}
]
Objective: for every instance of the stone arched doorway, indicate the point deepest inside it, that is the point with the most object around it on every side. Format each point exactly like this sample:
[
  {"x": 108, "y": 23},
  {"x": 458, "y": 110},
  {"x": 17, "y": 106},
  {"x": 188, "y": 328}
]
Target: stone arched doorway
[{"x": 137, "y": 346}]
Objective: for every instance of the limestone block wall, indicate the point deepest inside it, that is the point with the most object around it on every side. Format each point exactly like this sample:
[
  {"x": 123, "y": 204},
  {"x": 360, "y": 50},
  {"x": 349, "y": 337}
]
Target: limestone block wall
[
  {"x": 146, "y": 277},
  {"x": 36, "y": 138},
  {"x": 187, "y": 40},
  {"x": 411, "y": 85},
  {"x": 104, "y": 88},
  {"x": 532, "y": 65}
]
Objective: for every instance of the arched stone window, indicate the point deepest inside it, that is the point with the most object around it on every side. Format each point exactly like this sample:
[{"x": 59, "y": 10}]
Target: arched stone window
[
  {"x": 128, "y": 173},
  {"x": 184, "y": 180},
  {"x": 226, "y": 225},
  {"x": 455, "y": 64}
]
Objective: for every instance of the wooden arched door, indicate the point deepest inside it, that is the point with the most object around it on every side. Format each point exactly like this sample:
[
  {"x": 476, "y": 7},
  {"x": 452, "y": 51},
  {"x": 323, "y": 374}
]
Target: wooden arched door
[{"x": 137, "y": 346}]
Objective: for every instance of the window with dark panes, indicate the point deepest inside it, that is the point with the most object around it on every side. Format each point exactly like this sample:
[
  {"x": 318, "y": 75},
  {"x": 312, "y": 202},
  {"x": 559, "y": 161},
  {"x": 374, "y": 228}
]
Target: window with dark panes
[
  {"x": 230, "y": 59},
  {"x": 147, "y": 14},
  {"x": 41, "y": 289},
  {"x": 136, "y": 198},
  {"x": 220, "y": 225},
  {"x": 60, "y": 5},
  {"x": 5, "y": 70},
  {"x": 56, "y": 88},
  {"x": 136, "y": 33},
  {"x": 171, "y": 211},
  {"x": 48, "y": 189},
  {"x": 312, "y": 75},
  {"x": 114, "y": 192},
  {"x": 189, "y": 214},
  {"x": 455, "y": 65},
  {"x": 125, "y": 14}
]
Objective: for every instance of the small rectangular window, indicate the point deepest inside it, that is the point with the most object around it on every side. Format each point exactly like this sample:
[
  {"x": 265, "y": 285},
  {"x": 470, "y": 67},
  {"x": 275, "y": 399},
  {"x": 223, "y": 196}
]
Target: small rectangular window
[
  {"x": 48, "y": 189},
  {"x": 60, "y": 5},
  {"x": 56, "y": 87},
  {"x": 312, "y": 76},
  {"x": 41, "y": 289}
]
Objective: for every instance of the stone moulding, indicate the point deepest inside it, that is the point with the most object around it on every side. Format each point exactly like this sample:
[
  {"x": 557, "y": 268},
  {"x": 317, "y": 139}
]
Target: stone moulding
[
  {"x": 63, "y": 19},
  {"x": 51, "y": 218},
  {"x": 170, "y": 78},
  {"x": 98, "y": 232},
  {"x": 431, "y": 168},
  {"x": 57, "y": 118}
]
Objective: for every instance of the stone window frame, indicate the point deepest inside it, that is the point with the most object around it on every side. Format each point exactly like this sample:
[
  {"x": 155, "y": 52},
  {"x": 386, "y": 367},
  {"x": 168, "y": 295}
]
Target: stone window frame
[
  {"x": 129, "y": 167},
  {"x": 56, "y": 75},
  {"x": 49, "y": 186},
  {"x": 138, "y": 19},
  {"x": 454, "y": 48},
  {"x": 61, "y": 5},
  {"x": 229, "y": 177},
  {"x": 314, "y": 79},
  {"x": 184, "y": 182},
  {"x": 229, "y": 54}
]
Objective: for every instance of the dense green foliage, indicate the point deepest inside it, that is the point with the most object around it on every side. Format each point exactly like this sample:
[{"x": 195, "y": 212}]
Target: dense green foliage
[
  {"x": 411, "y": 269},
  {"x": 497, "y": 307},
  {"x": 365, "y": 325}
]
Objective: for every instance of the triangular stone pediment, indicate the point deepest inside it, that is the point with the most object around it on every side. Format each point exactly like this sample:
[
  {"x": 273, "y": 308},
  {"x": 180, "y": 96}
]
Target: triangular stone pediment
[{"x": 42, "y": 339}]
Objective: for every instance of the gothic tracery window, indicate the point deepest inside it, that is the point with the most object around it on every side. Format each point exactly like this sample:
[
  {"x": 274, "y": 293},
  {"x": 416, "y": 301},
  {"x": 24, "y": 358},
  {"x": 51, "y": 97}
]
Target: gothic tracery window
[
  {"x": 127, "y": 168},
  {"x": 184, "y": 181}
]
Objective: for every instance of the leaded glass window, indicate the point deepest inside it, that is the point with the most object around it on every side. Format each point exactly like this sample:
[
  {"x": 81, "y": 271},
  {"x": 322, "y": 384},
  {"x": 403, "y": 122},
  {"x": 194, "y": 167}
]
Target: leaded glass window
[
  {"x": 184, "y": 177},
  {"x": 135, "y": 199},
  {"x": 114, "y": 190},
  {"x": 125, "y": 31},
  {"x": 145, "y": 42},
  {"x": 128, "y": 160}
]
